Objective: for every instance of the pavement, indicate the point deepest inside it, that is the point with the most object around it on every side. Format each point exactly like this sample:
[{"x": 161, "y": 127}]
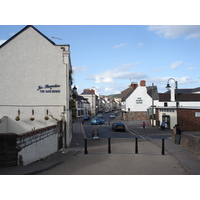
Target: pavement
[
  {"x": 188, "y": 160},
  {"x": 121, "y": 161}
]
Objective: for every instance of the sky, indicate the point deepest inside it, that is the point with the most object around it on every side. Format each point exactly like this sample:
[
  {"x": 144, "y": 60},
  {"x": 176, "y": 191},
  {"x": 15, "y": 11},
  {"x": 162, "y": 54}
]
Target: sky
[{"x": 110, "y": 57}]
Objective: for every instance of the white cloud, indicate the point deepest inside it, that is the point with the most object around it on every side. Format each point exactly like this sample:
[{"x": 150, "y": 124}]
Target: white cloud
[
  {"x": 121, "y": 72},
  {"x": 107, "y": 89},
  {"x": 2, "y": 41},
  {"x": 174, "y": 31},
  {"x": 185, "y": 80},
  {"x": 140, "y": 44},
  {"x": 80, "y": 69},
  {"x": 102, "y": 79},
  {"x": 174, "y": 65},
  {"x": 119, "y": 46}
]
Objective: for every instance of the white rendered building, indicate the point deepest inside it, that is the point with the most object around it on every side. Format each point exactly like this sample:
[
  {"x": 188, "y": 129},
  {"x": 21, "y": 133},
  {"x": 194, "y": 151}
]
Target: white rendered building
[{"x": 35, "y": 83}]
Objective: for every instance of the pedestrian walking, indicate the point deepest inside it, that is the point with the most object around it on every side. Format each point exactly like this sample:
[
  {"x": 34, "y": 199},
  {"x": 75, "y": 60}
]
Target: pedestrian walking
[
  {"x": 163, "y": 126},
  {"x": 144, "y": 125},
  {"x": 177, "y": 132}
]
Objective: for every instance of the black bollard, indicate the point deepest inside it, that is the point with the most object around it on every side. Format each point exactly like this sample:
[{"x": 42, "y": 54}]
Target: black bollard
[
  {"x": 109, "y": 146},
  {"x": 136, "y": 145},
  {"x": 163, "y": 146},
  {"x": 86, "y": 152}
]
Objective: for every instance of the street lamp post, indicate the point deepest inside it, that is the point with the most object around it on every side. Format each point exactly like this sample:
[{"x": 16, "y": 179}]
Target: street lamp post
[{"x": 176, "y": 88}]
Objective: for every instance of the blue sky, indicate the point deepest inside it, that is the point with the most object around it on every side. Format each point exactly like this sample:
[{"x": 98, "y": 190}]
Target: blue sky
[{"x": 110, "y": 57}]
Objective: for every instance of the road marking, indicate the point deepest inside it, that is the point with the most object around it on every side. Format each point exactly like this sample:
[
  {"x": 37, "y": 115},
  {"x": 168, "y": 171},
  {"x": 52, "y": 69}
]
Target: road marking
[{"x": 135, "y": 133}]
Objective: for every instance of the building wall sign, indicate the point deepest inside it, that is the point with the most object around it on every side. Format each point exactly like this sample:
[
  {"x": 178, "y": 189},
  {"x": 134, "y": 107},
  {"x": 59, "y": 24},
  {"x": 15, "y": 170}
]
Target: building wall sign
[
  {"x": 49, "y": 88},
  {"x": 139, "y": 100}
]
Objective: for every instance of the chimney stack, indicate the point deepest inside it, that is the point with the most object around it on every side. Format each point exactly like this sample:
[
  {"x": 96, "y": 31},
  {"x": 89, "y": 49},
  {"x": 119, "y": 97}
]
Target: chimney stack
[
  {"x": 133, "y": 85},
  {"x": 143, "y": 83}
]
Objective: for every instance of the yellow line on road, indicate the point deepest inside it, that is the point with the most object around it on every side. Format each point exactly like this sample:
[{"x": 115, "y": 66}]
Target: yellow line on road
[{"x": 133, "y": 133}]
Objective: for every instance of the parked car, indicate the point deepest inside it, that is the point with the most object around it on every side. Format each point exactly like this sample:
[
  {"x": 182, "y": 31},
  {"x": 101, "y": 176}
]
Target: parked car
[
  {"x": 99, "y": 115},
  {"x": 102, "y": 121},
  {"x": 112, "y": 115},
  {"x": 118, "y": 126},
  {"x": 86, "y": 117},
  {"x": 95, "y": 121}
]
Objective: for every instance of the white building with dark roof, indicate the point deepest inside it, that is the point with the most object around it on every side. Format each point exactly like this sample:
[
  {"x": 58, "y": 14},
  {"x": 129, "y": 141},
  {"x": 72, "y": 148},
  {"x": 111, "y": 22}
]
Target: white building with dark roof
[{"x": 137, "y": 99}]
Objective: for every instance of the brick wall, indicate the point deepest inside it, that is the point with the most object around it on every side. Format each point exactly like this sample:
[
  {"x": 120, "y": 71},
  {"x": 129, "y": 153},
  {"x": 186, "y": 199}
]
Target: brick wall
[
  {"x": 187, "y": 119},
  {"x": 8, "y": 150}
]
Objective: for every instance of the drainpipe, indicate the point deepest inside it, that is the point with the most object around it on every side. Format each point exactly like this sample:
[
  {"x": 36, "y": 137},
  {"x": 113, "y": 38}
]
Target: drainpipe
[
  {"x": 152, "y": 105},
  {"x": 66, "y": 61}
]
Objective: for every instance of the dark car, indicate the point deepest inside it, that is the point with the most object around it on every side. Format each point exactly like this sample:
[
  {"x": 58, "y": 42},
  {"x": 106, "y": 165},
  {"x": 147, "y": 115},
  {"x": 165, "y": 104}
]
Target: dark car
[
  {"x": 118, "y": 126},
  {"x": 86, "y": 117}
]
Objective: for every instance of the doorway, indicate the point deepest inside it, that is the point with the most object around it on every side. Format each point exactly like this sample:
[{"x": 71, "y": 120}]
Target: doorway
[{"x": 166, "y": 118}]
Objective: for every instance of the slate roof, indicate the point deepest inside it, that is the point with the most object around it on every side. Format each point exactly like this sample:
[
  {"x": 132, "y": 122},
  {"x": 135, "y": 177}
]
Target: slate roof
[
  {"x": 79, "y": 98},
  {"x": 187, "y": 90},
  {"x": 87, "y": 92},
  {"x": 24, "y": 29},
  {"x": 181, "y": 97},
  {"x": 155, "y": 92},
  {"x": 126, "y": 93}
]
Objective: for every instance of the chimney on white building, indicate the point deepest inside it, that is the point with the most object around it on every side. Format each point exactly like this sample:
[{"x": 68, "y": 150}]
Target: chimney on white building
[{"x": 143, "y": 83}]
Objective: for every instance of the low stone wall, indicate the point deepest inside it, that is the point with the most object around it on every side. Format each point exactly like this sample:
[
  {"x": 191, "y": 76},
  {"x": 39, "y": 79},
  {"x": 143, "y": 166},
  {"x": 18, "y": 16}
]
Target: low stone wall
[
  {"x": 28, "y": 147},
  {"x": 135, "y": 116},
  {"x": 190, "y": 142},
  {"x": 37, "y": 144}
]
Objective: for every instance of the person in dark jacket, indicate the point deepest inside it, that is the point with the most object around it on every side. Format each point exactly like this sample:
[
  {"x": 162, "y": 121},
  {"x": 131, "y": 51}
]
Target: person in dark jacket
[
  {"x": 178, "y": 134},
  {"x": 163, "y": 125}
]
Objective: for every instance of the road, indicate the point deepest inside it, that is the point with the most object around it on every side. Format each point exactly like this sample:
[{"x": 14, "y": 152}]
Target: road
[
  {"x": 122, "y": 160},
  {"x": 134, "y": 130},
  {"x": 105, "y": 130}
]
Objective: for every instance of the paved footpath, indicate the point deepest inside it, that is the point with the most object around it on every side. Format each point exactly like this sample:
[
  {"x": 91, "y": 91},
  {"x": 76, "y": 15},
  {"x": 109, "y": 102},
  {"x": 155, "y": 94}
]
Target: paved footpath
[
  {"x": 121, "y": 161},
  {"x": 189, "y": 161}
]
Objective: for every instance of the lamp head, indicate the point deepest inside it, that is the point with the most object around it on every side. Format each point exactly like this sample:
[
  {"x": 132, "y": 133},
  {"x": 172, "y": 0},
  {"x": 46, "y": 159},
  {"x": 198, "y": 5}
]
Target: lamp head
[
  {"x": 168, "y": 86},
  {"x": 74, "y": 89}
]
